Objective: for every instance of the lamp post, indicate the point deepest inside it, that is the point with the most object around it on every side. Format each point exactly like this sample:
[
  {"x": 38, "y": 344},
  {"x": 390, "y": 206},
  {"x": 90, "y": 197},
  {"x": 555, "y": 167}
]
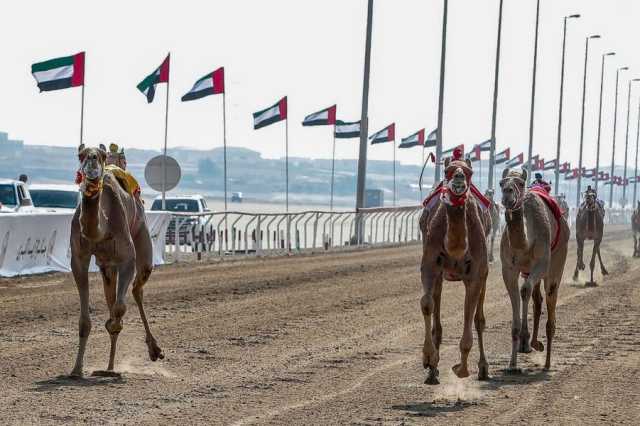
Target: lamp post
[
  {"x": 492, "y": 151},
  {"x": 533, "y": 91},
  {"x": 443, "y": 55},
  {"x": 564, "y": 44},
  {"x": 626, "y": 147},
  {"x": 584, "y": 94},
  {"x": 635, "y": 176},
  {"x": 615, "y": 123},
  {"x": 597, "y": 175}
]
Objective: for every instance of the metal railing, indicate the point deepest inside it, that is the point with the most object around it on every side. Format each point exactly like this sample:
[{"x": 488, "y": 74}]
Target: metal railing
[{"x": 239, "y": 233}]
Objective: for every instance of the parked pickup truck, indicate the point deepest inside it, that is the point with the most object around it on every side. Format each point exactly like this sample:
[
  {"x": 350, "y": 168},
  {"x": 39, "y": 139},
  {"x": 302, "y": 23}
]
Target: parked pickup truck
[
  {"x": 181, "y": 204},
  {"x": 15, "y": 197}
]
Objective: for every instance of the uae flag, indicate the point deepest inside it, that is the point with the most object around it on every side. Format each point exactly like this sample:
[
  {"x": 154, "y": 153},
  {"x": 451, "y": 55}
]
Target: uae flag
[
  {"x": 572, "y": 174},
  {"x": 503, "y": 157},
  {"x": 565, "y": 167},
  {"x": 485, "y": 146},
  {"x": 160, "y": 75},
  {"x": 346, "y": 130},
  {"x": 588, "y": 173},
  {"x": 210, "y": 84},
  {"x": 416, "y": 139},
  {"x": 550, "y": 165},
  {"x": 515, "y": 161},
  {"x": 59, "y": 73},
  {"x": 387, "y": 134},
  {"x": 474, "y": 155},
  {"x": 432, "y": 139},
  {"x": 273, "y": 114},
  {"x": 449, "y": 152},
  {"x": 321, "y": 118}
]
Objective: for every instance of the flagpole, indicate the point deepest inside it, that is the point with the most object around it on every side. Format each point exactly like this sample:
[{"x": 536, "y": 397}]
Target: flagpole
[
  {"x": 224, "y": 141},
  {"x": 164, "y": 157},
  {"x": 82, "y": 115},
  {"x": 394, "y": 172},
  {"x": 333, "y": 167},
  {"x": 420, "y": 200},
  {"x": 286, "y": 142}
]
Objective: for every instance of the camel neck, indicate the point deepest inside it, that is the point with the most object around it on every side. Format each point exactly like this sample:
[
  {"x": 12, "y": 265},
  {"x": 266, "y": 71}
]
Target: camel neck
[
  {"x": 516, "y": 229},
  {"x": 91, "y": 218},
  {"x": 456, "y": 236}
]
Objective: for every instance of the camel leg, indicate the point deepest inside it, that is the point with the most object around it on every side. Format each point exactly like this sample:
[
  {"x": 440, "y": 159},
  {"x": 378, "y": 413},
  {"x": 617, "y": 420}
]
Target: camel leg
[
  {"x": 551, "y": 291},
  {"x": 126, "y": 274},
  {"x": 437, "y": 328},
  {"x": 537, "y": 311},
  {"x": 483, "y": 365},
  {"x": 80, "y": 269},
  {"x": 109, "y": 279},
  {"x": 602, "y": 268},
  {"x": 144, "y": 257},
  {"x": 579, "y": 262},
  {"x": 510, "y": 279},
  {"x": 493, "y": 237},
  {"x": 592, "y": 263},
  {"x": 471, "y": 295},
  {"x": 430, "y": 356}
]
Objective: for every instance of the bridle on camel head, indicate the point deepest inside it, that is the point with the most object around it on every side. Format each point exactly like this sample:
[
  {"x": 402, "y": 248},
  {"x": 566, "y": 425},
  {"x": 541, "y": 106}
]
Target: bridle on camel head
[
  {"x": 516, "y": 182},
  {"x": 452, "y": 195},
  {"x": 90, "y": 186}
]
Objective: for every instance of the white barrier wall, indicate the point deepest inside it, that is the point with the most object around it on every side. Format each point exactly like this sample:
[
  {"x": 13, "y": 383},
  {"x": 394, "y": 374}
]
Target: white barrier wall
[{"x": 33, "y": 243}]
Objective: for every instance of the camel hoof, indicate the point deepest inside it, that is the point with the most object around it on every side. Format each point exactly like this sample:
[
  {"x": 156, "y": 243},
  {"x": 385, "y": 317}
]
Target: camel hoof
[
  {"x": 76, "y": 375},
  {"x": 605, "y": 272},
  {"x": 460, "y": 371},
  {"x": 591, "y": 284},
  {"x": 155, "y": 353},
  {"x": 513, "y": 371},
  {"x": 432, "y": 377},
  {"x": 483, "y": 372},
  {"x": 106, "y": 373},
  {"x": 575, "y": 276},
  {"x": 537, "y": 345},
  {"x": 547, "y": 367}
]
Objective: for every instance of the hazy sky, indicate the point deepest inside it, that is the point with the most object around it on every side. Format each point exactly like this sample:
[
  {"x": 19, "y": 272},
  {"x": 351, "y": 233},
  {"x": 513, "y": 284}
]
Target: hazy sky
[{"x": 313, "y": 52}]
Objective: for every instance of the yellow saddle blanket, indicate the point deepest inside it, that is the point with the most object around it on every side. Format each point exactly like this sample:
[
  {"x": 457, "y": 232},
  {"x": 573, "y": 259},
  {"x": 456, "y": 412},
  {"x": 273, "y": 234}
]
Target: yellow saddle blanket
[{"x": 126, "y": 179}]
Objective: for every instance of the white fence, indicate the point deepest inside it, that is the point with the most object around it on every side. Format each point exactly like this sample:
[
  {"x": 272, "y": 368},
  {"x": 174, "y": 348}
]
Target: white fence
[{"x": 234, "y": 233}]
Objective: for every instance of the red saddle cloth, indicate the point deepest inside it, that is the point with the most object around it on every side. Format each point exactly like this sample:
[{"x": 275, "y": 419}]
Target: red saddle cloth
[{"x": 554, "y": 207}]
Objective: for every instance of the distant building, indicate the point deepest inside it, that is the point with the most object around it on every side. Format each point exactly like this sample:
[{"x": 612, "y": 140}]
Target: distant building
[{"x": 10, "y": 149}]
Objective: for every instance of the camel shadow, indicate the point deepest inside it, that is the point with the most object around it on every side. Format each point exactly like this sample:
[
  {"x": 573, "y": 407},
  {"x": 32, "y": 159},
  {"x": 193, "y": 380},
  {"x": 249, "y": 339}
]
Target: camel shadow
[
  {"x": 62, "y": 381},
  {"x": 432, "y": 409},
  {"x": 502, "y": 378}
]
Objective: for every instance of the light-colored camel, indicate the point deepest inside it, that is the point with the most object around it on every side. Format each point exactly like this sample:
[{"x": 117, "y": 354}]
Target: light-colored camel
[
  {"x": 454, "y": 249},
  {"x": 635, "y": 227},
  {"x": 109, "y": 224},
  {"x": 566, "y": 210},
  {"x": 494, "y": 212},
  {"x": 589, "y": 226},
  {"x": 534, "y": 245}
]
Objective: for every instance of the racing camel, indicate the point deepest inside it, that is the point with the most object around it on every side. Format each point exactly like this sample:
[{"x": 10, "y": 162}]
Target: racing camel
[
  {"x": 534, "y": 245},
  {"x": 495, "y": 220},
  {"x": 635, "y": 227},
  {"x": 454, "y": 249},
  {"x": 109, "y": 224},
  {"x": 589, "y": 226}
]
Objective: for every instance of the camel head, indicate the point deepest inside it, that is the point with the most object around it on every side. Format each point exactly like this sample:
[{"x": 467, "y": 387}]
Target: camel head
[
  {"x": 92, "y": 162},
  {"x": 513, "y": 185},
  {"x": 457, "y": 175},
  {"x": 590, "y": 197}
]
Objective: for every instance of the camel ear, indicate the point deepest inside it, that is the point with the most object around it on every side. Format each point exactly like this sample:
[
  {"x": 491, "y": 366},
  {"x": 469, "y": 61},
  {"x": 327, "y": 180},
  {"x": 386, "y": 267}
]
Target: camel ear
[
  {"x": 505, "y": 172},
  {"x": 103, "y": 155},
  {"x": 525, "y": 175},
  {"x": 81, "y": 153}
]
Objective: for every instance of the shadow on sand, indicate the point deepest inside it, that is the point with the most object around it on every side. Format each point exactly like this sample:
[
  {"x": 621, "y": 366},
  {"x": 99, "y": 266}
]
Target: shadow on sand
[
  {"x": 435, "y": 408},
  {"x": 501, "y": 378},
  {"x": 75, "y": 382}
]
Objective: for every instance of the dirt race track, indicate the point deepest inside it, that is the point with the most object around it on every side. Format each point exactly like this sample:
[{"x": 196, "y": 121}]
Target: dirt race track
[{"x": 322, "y": 339}]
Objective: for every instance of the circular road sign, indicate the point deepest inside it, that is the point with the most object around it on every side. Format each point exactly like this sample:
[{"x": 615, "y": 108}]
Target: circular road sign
[{"x": 153, "y": 173}]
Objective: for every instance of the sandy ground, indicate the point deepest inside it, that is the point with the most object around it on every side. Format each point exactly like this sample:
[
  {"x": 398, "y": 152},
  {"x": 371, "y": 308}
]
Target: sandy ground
[{"x": 320, "y": 339}]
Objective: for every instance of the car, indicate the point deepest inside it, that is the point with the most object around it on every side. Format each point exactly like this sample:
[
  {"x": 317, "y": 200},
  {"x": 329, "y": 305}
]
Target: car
[
  {"x": 236, "y": 197},
  {"x": 51, "y": 197},
  {"x": 15, "y": 197},
  {"x": 181, "y": 204}
]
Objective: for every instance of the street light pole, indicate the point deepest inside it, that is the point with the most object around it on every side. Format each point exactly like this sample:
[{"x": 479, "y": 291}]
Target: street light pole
[
  {"x": 626, "y": 147},
  {"x": 492, "y": 152},
  {"x": 597, "y": 175},
  {"x": 615, "y": 123},
  {"x": 443, "y": 54},
  {"x": 564, "y": 44},
  {"x": 635, "y": 176},
  {"x": 584, "y": 94},
  {"x": 533, "y": 91}
]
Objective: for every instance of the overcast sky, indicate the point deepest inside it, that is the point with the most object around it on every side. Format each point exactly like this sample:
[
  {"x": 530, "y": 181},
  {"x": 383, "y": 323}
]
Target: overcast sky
[{"x": 313, "y": 52}]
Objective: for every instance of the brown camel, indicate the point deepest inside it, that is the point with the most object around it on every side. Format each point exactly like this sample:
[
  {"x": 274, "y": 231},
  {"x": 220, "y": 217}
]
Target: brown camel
[
  {"x": 454, "y": 249},
  {"x": 494, "y": 212},
  {"x": 635, "y": 227},
  {"x": 564, "y": 206},
  {"x": 589, "y": 226},
  {"x": 109, "y": 224},
  {"x": 534, "y": 244}
]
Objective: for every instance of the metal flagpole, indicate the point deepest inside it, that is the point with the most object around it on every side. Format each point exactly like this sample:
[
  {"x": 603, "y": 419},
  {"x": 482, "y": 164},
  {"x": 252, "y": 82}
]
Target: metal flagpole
[
  {"x": 333, "y": 167},
  {"x": 443, "y": 54},
  {"x": 626, "y": 147},
  {"x": 533, "y": 91},
  {"x": 393, "y": 142},
  {"x": 604, "y": 56},
  {"x": 224, "y": 139},
  {"x": 422, "y": 166},
  {"x": 286, "y": 131},
  {"x": 635, "y": 176},
  {"x": 492, "y": 152},
  {"x": 166, "y": 126},
  {"x": 615, "y": 125},
  {"x": 82, "y": 115}
]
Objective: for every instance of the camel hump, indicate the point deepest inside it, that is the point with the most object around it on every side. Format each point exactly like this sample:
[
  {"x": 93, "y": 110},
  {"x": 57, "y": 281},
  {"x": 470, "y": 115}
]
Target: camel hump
[{"x": 125, "y": 179}]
